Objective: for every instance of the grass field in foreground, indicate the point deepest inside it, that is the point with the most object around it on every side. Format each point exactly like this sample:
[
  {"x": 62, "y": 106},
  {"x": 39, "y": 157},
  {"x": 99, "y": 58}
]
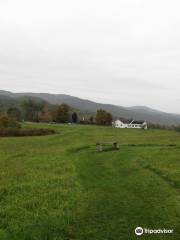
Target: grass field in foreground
[{"x": 59, "y": 188}]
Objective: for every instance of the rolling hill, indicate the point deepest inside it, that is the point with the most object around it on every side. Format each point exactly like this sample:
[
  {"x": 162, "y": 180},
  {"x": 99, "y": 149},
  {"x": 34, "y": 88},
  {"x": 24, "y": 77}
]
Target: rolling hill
[{"x": 89, "y": 107}]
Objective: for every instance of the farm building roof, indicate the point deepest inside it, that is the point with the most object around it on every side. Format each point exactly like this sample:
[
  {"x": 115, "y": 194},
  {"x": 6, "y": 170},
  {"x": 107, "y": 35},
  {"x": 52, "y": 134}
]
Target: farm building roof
[{"x": 128, "y": 121}]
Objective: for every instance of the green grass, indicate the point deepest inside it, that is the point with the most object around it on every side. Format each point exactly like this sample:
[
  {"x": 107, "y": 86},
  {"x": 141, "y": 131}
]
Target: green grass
[{"x": 58, "y": 187}]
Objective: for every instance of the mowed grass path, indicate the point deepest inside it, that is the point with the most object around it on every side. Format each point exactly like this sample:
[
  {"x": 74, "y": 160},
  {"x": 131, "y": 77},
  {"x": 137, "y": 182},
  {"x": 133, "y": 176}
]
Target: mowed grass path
[{"x": 58, "y": 187}]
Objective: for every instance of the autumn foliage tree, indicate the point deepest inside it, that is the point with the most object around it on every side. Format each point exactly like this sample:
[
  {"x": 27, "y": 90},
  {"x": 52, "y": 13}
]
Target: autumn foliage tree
[
  {"x": 61, "y": 114},
  {"x": 103, "y": 117},
  {"x": 6, "y": 122},
  {"x": 45, "y": 115}
]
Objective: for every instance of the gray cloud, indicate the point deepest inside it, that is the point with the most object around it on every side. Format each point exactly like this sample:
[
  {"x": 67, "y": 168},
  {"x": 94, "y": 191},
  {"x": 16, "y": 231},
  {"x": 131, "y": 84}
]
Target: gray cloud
[{"x": 121, "y": 52}]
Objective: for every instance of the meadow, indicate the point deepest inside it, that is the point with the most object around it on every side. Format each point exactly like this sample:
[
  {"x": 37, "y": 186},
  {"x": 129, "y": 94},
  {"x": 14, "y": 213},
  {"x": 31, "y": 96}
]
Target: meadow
[{"x": 57, "y": 187}]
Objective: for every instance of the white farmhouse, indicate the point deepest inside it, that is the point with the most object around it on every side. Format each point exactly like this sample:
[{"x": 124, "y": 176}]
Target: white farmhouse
[{"x": 129, "y": 124}]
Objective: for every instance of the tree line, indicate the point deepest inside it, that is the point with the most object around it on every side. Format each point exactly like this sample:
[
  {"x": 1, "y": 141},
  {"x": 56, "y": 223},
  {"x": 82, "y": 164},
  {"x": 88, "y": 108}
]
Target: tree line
[
  {"x": 35, "y": 111},
  {"x": 39, "y": 111}
]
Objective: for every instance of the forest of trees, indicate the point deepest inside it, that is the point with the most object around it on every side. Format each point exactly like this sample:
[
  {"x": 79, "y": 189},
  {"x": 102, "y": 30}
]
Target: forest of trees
[{"x": 39, "y": 111}]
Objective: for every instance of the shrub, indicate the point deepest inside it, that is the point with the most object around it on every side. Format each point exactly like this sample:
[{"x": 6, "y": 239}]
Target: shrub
[{"x": 20, "y": 132}]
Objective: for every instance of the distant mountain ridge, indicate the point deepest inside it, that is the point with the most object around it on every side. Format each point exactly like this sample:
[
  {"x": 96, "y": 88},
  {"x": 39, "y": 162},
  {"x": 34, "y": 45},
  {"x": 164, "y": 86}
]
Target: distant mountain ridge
[{"x": 90, "y": 107}]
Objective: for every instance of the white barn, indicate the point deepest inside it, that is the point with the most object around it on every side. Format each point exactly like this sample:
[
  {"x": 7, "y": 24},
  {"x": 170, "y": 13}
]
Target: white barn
[{"x": 129, "y": 124}]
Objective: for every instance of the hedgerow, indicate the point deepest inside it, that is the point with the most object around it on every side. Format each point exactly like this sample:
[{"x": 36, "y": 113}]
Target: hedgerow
[{"x": 21, "y": 132}]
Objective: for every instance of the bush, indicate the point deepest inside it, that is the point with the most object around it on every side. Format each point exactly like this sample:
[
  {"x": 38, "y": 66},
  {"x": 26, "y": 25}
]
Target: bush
[{"x": 19, "y": 132}]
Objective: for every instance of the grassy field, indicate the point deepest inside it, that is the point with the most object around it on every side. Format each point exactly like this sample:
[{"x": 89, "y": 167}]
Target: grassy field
[{"x": 58, "y": 187}]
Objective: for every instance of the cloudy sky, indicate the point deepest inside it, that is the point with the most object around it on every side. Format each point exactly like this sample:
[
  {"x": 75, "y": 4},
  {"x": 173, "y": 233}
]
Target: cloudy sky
[{"x": 125, "y": 52}]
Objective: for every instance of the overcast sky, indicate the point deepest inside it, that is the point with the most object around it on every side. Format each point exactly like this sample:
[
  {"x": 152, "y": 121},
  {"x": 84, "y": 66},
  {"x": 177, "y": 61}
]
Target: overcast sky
[{"x": 125, "y": 52}]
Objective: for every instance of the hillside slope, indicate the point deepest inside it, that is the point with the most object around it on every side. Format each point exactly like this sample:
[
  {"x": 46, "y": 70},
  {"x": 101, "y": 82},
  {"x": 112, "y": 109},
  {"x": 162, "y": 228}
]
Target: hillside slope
[{"x": 90, "y": 107}]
